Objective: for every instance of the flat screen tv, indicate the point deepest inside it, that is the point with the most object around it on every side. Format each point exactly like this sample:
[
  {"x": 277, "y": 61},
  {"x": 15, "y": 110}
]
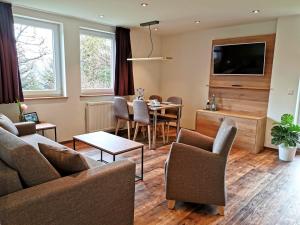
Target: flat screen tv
[{"x": 239, "y": 59}]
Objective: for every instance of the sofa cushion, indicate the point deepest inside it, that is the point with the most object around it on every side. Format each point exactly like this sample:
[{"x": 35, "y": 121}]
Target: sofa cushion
[
  {"x": 31, "y": 165},
  {"x": 8, "y": 125},
  {"x": 9, "y": 180},
  {"x": 65, "y": 160},
  {"x": 35, "y": 139}
]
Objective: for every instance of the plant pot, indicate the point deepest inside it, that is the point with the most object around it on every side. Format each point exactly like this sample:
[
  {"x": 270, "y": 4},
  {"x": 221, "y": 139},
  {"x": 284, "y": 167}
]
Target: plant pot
[{"x": 287, "y": 153}]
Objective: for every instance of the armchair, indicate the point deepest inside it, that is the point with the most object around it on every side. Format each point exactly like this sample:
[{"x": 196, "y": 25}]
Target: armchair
[{"x": 195, "y": 168}]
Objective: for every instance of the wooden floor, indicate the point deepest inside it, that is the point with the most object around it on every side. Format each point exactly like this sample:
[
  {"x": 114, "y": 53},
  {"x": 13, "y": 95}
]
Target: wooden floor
[{"x": 260, "y": 189}]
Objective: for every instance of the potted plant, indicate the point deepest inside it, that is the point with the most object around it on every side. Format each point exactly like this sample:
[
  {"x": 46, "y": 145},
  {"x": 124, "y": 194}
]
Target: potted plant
[{"x": 285, "y": 134}]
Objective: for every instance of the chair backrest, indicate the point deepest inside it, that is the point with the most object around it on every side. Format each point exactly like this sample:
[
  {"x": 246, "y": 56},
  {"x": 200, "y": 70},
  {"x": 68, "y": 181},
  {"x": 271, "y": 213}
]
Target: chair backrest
[
  {"x": 225, "y": 137},
  {"x": 141, "y": 112},
  {"x": 121, "y": 108},
  {"x": 174, "y": 100},
  {"x": 157, "y": 97}
]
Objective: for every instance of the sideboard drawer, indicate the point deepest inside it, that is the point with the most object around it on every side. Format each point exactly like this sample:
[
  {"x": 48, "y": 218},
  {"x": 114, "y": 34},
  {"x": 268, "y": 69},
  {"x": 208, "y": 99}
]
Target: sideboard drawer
[
  {"x": 250, "y": 134},
  {"x": 208, "y": 124}
]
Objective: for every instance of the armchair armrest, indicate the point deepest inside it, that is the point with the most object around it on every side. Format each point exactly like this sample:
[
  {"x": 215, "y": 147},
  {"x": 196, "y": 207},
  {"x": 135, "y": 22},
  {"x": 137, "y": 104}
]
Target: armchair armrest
[
  {"x": 195, "y": 139},
  {"x": 102, "y": 195},
  {"x": 195, "y": 175},
  {"x": 26, "y": 128}
]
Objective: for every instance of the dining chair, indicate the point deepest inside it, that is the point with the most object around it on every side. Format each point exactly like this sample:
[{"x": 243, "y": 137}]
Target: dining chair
[
  {"x": 171, "y": 115},
  {"x": 141, "y": 116},
  {"x": 157, "y": 97},
  {"x": 121, "y": 112}
]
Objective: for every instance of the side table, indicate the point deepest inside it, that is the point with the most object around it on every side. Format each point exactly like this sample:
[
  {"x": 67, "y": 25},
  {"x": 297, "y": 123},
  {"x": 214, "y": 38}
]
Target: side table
[{"x": 46, "y": 126}]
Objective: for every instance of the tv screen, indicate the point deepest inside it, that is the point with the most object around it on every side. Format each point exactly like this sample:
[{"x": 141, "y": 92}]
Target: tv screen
[{"x": 239, "y": 59}]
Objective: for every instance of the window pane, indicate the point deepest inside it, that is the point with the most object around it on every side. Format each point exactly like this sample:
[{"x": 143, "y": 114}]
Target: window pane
[
  {"x": 96, "y": 62},
  {"x": 35, "y": 47}
]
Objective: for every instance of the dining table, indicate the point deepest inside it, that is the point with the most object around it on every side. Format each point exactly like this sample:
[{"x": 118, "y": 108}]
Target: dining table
[{"x": 160, "y": 110}]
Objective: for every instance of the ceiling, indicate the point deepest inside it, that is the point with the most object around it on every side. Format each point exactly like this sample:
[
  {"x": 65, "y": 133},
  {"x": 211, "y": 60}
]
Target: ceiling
[{"x": 176, "y": 16}]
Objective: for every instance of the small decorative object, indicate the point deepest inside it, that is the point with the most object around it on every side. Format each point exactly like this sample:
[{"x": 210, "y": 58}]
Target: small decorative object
[
  {"x": 140, "y": 93},
  {"x": 31, "y": 117},
  {"x": 155, "y": 103},
  {"x": 22, "y": 108},
  {"x": 285, "y": 134},
  {"x": 207, "y": 105},
  {"x": 213, "y": 105}
]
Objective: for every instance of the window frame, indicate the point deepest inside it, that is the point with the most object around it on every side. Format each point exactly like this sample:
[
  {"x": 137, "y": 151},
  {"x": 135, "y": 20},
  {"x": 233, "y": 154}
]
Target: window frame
[
  {"x": 102, "y": 34},
  {"x": 56, "y": 29}
]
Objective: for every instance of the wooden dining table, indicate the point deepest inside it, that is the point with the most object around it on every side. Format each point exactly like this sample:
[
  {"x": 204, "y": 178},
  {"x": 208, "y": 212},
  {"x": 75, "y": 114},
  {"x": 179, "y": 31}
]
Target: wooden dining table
[{"x": 162, "y": 107}]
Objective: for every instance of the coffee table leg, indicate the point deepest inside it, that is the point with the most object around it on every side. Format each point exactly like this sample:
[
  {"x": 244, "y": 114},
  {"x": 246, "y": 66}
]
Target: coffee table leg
[
  {"x": 74, "y": 144},
  {"x": 114, "y": 158},
  {"x": 55, "y": 134},
  {"x": 101, "y": 156},
  {"x": 142, "y": 164}
]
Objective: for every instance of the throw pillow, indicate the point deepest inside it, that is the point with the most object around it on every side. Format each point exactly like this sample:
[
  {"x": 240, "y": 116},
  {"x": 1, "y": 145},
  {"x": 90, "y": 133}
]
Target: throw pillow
[
  {"x": 8, "y": 125},
  {"x": 65, "y": 160}
]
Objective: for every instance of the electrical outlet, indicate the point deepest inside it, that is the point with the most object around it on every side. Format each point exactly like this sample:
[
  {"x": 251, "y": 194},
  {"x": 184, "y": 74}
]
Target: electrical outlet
[{"x": 290, "y": 92}]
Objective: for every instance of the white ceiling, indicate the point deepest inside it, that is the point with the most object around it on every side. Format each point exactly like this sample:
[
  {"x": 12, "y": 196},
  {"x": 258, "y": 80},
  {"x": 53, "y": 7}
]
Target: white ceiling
[{"x": 176, "y": 16}]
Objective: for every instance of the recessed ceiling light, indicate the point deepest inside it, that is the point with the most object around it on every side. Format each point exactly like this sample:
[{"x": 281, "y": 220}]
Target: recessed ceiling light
[
  {"x": 197, "y": 21},
  {"x": 255, "y": 11},
  {"x": 101, "y": 16},
  {"x": 144, "y": 4}
]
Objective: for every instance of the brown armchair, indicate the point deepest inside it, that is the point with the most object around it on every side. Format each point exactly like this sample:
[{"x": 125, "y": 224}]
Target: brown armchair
[{"x": 195, "y": 168}]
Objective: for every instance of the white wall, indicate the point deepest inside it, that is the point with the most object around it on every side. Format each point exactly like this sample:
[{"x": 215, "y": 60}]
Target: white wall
[
  {"x": 188, "y": 73},
  {"x": 286, "y": 71},
  {"x": 68, "y": 114}
]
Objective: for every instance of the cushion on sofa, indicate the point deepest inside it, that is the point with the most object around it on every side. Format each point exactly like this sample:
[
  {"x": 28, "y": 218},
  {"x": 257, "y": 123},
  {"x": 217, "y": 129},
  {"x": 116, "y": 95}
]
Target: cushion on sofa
[
  {"x": 31, "y": 165},
  {"x": 65, "y": 160},
  {"x": 9, "y": 180},
  {"x": 8, "y": 125}
]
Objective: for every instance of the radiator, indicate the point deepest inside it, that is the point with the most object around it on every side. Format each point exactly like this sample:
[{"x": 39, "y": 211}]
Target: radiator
[{"x": 99, "y": 116}]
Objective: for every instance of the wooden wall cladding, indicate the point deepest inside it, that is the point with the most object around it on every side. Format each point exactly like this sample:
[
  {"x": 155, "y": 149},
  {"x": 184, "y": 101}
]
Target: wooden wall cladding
[{"x": 252, "y": 93}]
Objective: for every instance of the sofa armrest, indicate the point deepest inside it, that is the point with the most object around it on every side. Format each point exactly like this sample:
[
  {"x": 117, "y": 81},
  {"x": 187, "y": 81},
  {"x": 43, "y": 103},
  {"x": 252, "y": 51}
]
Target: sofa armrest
[
  {"x": 102, "y": 195},
  {"x": 196, "y": 139},
  {"x": 26, "y": 128},
  {"x": 195, "y": 175}
]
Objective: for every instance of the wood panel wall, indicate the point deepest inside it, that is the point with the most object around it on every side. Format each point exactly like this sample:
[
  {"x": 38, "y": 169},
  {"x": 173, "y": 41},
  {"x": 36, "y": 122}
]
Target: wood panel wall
[{"x": 252, "y": 94}]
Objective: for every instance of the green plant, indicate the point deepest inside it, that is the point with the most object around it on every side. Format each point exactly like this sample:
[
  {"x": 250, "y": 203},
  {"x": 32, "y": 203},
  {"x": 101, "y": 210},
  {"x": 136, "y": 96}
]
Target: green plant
[{"x": 285, "y": 132}]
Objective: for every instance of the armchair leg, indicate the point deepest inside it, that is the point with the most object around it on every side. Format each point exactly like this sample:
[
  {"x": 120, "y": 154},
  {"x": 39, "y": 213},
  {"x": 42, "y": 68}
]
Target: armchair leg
[
  {"x": 221, "y": 210},
  {"x": 171, "y": 204}
]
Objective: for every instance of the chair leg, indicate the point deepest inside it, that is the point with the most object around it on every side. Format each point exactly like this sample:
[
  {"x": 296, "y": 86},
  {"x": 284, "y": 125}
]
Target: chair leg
[
  {"x": 128, "y": 128},
  {"x": 163, "y": 132},
  {"x": 149, "y": 136},
  {"x": 117, "y": 128},
  {"x": 168, "y": 131},
  {"x": 136, "y": 130},
  {"x": 171, "y": 204},
  {"x": 221, "y": 210}
]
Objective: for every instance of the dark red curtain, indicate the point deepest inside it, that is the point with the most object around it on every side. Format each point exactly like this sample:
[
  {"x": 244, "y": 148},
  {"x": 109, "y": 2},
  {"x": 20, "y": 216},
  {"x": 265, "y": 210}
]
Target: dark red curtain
[
  {"x": 10, "y": 82},
  {"x": 124, "y": 84}
]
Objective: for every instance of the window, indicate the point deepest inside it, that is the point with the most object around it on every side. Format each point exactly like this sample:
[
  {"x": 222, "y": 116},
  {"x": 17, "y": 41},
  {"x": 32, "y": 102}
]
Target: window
[
  {"x": 39, "y": 56},
  {"x": 97, "y": 51}
]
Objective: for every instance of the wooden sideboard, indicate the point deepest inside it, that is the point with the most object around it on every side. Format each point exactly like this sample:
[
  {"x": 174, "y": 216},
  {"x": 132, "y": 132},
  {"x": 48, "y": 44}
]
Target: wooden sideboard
[{"x": 251, "y": 129}]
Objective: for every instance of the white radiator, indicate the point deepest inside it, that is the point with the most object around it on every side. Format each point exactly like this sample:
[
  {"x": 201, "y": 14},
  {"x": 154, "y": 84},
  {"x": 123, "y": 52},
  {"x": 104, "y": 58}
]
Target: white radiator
[{"x": 99, "y": 116}]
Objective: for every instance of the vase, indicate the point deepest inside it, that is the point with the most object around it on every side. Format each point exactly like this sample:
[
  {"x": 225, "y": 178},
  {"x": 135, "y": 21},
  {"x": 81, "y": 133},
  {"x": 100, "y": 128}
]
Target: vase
[{"x": 287, "y": 154}]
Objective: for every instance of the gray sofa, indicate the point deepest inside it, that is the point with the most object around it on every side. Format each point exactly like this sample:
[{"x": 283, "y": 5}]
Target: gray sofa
[{"x": 103, "y": 194}]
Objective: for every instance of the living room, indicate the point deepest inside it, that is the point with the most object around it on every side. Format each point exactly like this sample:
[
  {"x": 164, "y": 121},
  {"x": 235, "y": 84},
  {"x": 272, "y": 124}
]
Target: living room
[{"x": 184, "y": 41}]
